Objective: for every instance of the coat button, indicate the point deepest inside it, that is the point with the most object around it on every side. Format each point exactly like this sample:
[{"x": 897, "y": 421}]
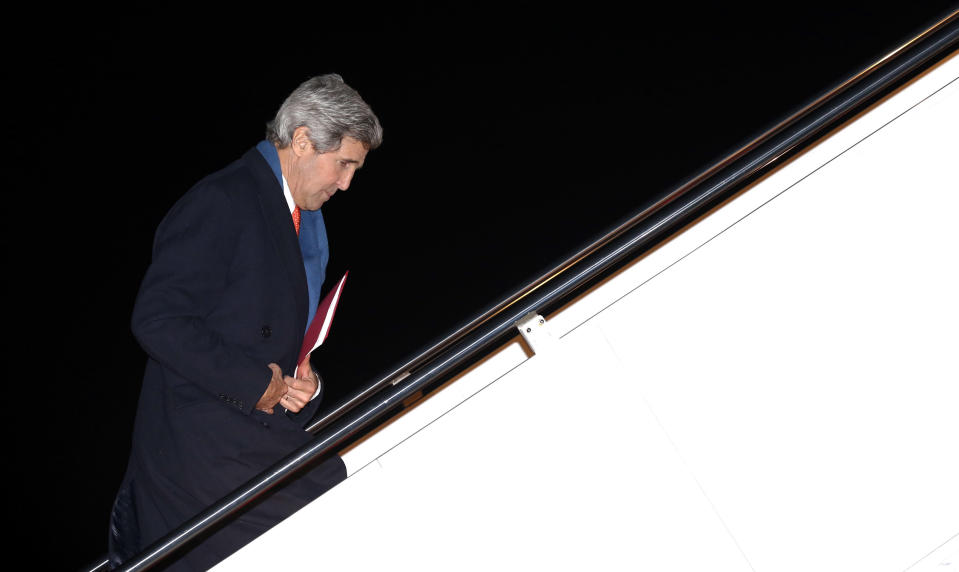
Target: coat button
[{"x": 265, "y": 331}]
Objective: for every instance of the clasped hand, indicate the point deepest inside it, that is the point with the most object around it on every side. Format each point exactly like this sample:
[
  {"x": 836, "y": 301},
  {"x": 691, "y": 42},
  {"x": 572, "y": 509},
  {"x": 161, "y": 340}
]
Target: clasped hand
[{"x": 292, "y": 393}]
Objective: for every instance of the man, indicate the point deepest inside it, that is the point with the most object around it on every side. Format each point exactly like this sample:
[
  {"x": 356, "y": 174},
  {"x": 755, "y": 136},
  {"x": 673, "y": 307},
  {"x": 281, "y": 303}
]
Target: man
[{"x": 235, "y": 279}]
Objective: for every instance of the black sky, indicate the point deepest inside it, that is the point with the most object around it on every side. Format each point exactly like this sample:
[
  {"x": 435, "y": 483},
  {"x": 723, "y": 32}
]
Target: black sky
[{"x": 514, "y": 135}]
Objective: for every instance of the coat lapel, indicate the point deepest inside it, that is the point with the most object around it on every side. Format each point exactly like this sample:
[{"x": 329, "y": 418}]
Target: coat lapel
[{"x": 280, "y": 229}]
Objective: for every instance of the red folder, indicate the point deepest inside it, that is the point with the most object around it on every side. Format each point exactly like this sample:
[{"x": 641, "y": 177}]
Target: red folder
[{"x": 320, "y": 327}]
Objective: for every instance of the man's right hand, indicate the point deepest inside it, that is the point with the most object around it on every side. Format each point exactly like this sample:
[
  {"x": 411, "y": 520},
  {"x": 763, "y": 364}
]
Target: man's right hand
[{"x": 274, "y": 392}]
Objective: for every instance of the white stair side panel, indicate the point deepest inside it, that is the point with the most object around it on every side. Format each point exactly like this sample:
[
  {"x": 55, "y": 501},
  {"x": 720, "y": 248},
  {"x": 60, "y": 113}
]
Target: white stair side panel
[
  {"x": 513, "y": 479},
  {"x": 821, "y": 409}
]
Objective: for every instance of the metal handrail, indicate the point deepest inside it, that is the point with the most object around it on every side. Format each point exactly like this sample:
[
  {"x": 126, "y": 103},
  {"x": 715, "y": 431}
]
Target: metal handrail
[
  {"x": 828, "y": 115},
  {"x": 627, "y": 241}
]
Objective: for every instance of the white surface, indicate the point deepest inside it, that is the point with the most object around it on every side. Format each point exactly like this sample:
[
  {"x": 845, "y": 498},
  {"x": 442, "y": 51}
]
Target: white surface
[
  {"x": 782, "y": 398},
  {"x": 820, "y": 411}
]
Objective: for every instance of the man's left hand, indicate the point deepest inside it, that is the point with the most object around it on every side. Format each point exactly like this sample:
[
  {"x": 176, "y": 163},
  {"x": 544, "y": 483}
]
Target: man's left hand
[{"x": 300, "y": 390}]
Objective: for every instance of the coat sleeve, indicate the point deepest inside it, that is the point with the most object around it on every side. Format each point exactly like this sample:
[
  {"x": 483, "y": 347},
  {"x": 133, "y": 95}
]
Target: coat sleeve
[{"x": 192, "y": 253}]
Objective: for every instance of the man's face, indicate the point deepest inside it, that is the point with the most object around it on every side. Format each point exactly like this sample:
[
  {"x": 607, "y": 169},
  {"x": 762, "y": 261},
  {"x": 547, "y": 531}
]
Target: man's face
[{"x": 314, "y": 177}]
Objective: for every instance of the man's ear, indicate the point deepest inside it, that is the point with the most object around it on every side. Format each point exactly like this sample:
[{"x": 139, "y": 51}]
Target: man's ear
[{"x": 301, "y": 143}]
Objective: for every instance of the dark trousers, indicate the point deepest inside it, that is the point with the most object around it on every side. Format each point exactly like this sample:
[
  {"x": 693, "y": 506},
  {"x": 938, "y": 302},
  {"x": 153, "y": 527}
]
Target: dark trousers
[{"x": 135, "y": 522}]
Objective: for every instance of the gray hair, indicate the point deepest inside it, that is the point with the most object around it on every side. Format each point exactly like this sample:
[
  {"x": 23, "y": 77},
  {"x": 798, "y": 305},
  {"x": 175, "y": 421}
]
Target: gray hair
[{"x": 331, "y": 110}]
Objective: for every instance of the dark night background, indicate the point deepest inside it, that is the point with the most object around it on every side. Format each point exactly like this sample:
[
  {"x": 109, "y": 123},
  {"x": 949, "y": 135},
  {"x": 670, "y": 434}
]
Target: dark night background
[{"x": 514, "y": 135}]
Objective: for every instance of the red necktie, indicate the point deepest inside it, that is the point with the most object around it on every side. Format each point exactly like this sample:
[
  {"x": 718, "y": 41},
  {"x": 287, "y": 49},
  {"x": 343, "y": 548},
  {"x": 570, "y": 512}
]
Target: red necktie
[{"x": 296, "y": 219}]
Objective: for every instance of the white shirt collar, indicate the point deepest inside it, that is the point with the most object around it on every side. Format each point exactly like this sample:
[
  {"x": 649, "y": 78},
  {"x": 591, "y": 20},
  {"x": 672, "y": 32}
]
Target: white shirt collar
[{"x": 288, "y": 194}]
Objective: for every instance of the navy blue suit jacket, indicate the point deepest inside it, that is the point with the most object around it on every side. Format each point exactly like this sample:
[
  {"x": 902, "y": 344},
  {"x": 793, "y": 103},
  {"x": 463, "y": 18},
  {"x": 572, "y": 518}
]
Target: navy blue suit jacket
[{"x": 225, "y": 295}]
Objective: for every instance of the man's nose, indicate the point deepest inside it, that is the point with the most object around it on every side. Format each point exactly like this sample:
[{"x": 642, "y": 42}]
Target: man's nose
[{"x": 345, "y": 179}]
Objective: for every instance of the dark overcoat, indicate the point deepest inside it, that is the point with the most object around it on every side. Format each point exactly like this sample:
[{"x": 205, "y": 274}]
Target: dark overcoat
[{"x": 225, "y": 295}]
